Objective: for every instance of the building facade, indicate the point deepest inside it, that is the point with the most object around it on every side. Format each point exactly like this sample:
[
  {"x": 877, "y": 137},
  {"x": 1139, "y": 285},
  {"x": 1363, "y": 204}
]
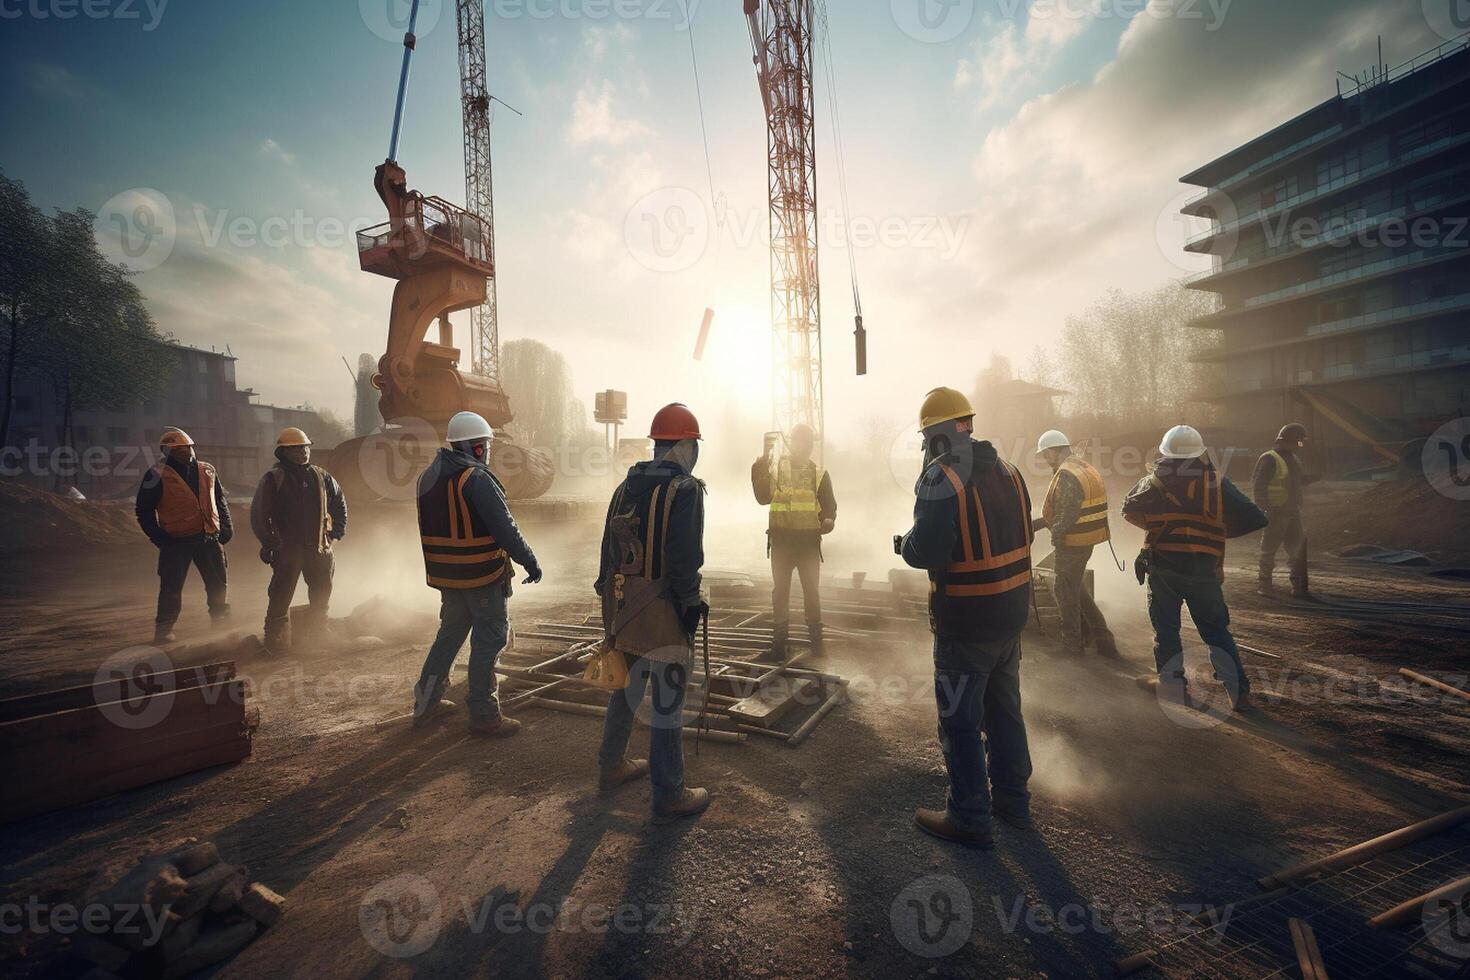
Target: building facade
[{"x": 1341, "y": 245}]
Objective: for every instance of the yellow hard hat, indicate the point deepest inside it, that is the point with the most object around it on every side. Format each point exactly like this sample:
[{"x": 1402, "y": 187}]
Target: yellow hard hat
[
  {"x": 943, "y": 405},
  {"x": 174, "y": 438},
  {"x": 292, "y": 436}
]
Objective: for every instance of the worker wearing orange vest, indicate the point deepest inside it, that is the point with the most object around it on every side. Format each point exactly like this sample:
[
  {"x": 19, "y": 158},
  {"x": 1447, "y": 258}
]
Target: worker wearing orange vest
[
  {"x": 802, "y": 509},
  {"x": 181, "y": 506},
  {"x": 1277, "y": 485},
  {"x": 1076, "y": 512},
  {"x": 469, "y": 540},
  {"x": 1188, "y": 511},
  {"x": 972, "y": 533}
]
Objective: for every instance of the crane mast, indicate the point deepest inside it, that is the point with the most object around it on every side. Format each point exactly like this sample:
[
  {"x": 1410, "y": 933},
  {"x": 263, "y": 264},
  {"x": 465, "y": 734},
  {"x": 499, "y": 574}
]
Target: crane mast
[
  {"x": 781, "y": 40},
  {"x": 479, "y": 188}
]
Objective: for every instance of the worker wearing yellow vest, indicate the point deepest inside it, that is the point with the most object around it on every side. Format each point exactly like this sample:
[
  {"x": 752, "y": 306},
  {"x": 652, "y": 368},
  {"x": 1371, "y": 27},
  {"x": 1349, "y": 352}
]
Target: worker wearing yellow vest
[
  {"x": 1188, "y": 510},
  {"x": 972, "y": 534},
  {"x": 297, "y": 512},
  {"x": 181, "y": 506},
  {"x": 469, "y": 540},
  {"x": 1076, "y": 513},
  {"x": 802, "y": 509},
  {"x": 1277, "y": 487}
]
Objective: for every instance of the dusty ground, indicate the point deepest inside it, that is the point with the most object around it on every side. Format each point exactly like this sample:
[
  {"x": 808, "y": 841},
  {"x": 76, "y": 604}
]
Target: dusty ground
[{"x": 807, "y": 861}]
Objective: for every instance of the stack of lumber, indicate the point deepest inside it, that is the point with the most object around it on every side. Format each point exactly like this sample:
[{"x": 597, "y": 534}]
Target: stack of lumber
[
  {"x": 175, "y": 913},
  {"x": 68, "y": 746}
]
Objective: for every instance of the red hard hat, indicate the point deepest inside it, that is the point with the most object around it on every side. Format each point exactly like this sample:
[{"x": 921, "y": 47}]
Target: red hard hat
[{"x": 675, "y": 422}]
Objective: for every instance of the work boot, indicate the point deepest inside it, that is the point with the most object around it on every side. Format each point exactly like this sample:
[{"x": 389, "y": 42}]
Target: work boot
[
  {"x": 937, "y": 823},
  {"x": 819, "y": 644},
  {"x": 1174, "y": 689},
  {"x": 277, "y": 638},
  {"x": 163, "y": 634},
  {"x": 1243, "y": 702},
  {"x": 1266, "y": 587},
  {"x": 1107, "y": 646},
  {"x": 1300, "y": 593},
  {"x": 691, "y": 804},
  {"x": 625, "y": 771},
  {"x": 777, "y": 652},
  {"x": 428, "y": 704},
  {"x": 501, "y": 727}
]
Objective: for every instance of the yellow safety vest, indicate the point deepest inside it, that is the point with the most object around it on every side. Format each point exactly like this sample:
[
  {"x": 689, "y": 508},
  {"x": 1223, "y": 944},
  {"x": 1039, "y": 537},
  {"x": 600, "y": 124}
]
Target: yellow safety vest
[
  {"x": 794, "y": 497},
  {"x": 1092, "y": 519},
  {"x": 1277, "y": 493}
]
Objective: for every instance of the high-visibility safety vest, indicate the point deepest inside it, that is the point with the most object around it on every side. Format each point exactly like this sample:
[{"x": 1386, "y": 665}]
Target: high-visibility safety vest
[
  {"x": 1193, "y": 522},
  {"x": 1278, "y": 491},
  {"x": 183, "y": 513},
  {"x": 638, "y": 610},
  {"x": 459, "y": 550},
  {"x": 794, "y": 497},
  {"x": 1092, "y": 520},
  {"x": 987, "y": 584}
]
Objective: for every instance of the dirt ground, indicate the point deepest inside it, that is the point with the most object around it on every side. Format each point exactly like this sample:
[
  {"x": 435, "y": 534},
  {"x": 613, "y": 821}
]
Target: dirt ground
[{"x": 405, "y": 853}]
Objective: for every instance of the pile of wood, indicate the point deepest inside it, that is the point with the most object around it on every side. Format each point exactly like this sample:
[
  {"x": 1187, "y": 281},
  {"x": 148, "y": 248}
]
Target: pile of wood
[
  {"x": 175, "y": 913},
  {"x": 68, "y": 746}
]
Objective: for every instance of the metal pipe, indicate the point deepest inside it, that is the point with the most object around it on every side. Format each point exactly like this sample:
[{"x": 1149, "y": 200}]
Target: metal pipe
[
  {"x": 799, "y": 736},
  {"x": 1359, "y": 853},
  {"x": 1413, "y": 909},
  {"x": 408, "y": 44}
]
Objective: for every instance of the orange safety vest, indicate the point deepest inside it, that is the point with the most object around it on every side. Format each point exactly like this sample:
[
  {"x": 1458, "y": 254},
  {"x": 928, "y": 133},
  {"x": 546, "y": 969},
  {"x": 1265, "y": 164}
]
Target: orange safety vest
[
  {"x": 459, "y": 551},
  {"x": 1092, "y": 520},
  {"x": 181, "y": 512},
  {"x": 1195, "y": 523},
  {"x": 994, "y": 558}
]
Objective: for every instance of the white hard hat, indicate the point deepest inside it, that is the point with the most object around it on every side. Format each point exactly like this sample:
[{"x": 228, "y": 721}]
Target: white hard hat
[
  {"x": 1052, "y": 440},
  {"x": 1182, "y": 442},
  {"x": 467, "y": 427}
]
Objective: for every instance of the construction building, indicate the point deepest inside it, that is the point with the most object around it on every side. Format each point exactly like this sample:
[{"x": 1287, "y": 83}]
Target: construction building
[
  {"x": 1341, "y": 249},
  {"x": 115, "y": 445}
]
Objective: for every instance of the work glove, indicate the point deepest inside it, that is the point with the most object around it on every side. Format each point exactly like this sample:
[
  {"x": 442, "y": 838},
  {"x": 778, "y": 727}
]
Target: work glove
[
  {"x": 828, "y": 525},
  {"x": 267, "y": 556},
  {"x": 691, "y": 616},
  {"x": 533, "y": 574},
  {"x": 226, "y": 534}
]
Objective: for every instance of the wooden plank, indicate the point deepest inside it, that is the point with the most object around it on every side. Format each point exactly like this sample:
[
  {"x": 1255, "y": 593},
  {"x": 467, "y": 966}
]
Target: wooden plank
[
  {"x": 1413, "y": 909},
  {"x": 100, "y": 722},
  {"x": 1419, "y": 678},
  {"x": 82, "y": 695},
  {"x": 772, "y": 700},
  {"x": 1359, "y": 853},
  {"x": 69, "y": 763},
  {"x": 1308, "y": 955}
]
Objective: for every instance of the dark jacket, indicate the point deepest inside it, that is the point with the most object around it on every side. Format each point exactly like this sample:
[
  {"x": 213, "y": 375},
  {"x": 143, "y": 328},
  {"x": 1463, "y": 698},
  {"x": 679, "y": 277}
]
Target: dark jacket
[
  {"x": 487, "y": 497},
  {"x": 934, "y": 543},
  {"x": 1241, "y": 515},
  {"x": 150, "y": 493},
  {"x": 1296, "y": 479},
  {"x": 1067, "y": 504},
  {"x": 283, "y": 513},
  {"x": 685, "y": 535}
]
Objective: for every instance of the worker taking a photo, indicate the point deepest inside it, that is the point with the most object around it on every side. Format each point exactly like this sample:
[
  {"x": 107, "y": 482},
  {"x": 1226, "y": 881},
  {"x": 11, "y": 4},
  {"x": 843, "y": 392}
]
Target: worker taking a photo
[{"x": 802, "y": 509}]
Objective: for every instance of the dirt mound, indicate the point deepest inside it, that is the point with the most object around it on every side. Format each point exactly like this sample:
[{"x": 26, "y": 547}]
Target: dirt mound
[
  {"x": 1405, "y": 514},
  {"x": 37, "y": 519}
]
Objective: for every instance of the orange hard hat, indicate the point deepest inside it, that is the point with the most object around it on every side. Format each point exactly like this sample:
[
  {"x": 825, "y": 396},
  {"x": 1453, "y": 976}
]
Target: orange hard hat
[
  {"x": 673, "y": 423},
  {"x": 173, "y": 438}
]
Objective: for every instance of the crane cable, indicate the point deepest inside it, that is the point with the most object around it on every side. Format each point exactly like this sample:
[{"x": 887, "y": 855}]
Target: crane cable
[
  {"x": 709, "y": 171},
  {"x": 841, "y": 157}
]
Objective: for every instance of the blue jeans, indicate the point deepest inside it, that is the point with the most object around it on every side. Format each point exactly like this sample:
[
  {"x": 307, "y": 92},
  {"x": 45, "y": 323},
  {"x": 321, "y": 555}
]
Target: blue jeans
[
  {"x": 977, "y": 686},
  {"x": 480, "y": 615},
  {"x": 1167, "y": 592},
  {"x": 666, "y": 740}
]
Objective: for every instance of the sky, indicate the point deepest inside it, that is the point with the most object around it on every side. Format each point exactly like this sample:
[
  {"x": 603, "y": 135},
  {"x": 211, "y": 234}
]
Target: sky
[{"x": 1008, "y": 162}]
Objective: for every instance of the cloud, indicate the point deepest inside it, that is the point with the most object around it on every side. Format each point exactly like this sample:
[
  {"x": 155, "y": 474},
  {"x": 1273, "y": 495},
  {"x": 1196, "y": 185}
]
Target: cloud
[
  {"x": 594, "y": 119},
  {"x": 54, "y": 81},
  {"x": 272, "y": 150},
  {"x": 1010, "y": 61}
]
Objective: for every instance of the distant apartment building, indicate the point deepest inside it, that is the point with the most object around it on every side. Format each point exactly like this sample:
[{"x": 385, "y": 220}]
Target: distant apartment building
[
  {"x": 113, "y": 447},
  {"x": 1341, "y": 244}
]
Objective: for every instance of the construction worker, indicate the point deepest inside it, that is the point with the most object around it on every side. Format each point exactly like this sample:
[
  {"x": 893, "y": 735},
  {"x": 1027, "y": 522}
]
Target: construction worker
[
  {"x": 802, "y": 509},
  {"x": 182, "y": 507},
  {"x": 649, "y": 583},
  {"x": 972, "y": 533},
  {"x": 1076, "y": 512},
  {"x": 297, "y": 512},
  {"x": 1188, "y": 511},
  {"x": 1277, "y": 487},
  {"x": 469, "y": 540}
]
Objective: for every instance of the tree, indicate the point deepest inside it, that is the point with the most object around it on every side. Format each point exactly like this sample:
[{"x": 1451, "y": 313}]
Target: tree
[
  {"x": 28, "y": 289},
  {"x": 1040, "y": 370},
  {"x": 539, "y": 384}
]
